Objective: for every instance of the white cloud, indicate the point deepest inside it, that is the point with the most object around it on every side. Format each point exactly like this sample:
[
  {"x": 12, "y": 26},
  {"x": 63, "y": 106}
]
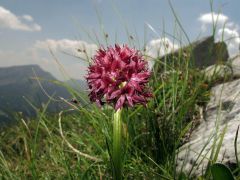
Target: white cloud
[
  {"x": 226, "y": 30},
  {"x": 209, "y": 18},
  {"x": 27, "y": 17},
  {"x": 11, "y": 21},
  {"x": 77, "y": 48},
  {"x": 159, "y": 47},
  {"x": 229, "y": 34},
  {"x": 232, "y": 39},
  {"x": 36, "y": 27}
]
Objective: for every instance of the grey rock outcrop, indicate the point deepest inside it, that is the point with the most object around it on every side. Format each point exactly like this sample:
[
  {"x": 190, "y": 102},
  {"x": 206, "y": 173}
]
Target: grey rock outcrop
[
  {"x": 218, "y": 71},
  {"x": 202, "y": 53},
  {"x": 222, "y": 111},
  {"x": 235, "y": 65},
  {"x": 206, "y": 52}
]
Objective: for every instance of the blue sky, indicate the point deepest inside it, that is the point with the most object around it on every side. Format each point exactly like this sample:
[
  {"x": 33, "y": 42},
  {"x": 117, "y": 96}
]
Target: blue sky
[{"x": 28, "y": 28}]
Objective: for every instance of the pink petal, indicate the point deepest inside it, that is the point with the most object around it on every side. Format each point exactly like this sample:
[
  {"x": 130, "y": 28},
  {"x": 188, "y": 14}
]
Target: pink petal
[
  {"x": 135, "y": 85},
  {"x": 130, "y": 100},
  {"x": 93, "y": 76},
  {"x": 138, "y": 99},
  {"x": 115, "y": 94},
  {"x": 120, "y": 102}
]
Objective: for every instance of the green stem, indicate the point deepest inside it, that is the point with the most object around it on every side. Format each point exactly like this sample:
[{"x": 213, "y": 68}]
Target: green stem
[{"x": 117, "y": 155}]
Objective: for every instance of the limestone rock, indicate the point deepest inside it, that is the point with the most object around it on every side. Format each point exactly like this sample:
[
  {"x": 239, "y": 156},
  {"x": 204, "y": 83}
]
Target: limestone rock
[
  {"x": 222, "y": 110},
  {"x": 217, "y": 71},
  {"x": 235, "y": 64}
]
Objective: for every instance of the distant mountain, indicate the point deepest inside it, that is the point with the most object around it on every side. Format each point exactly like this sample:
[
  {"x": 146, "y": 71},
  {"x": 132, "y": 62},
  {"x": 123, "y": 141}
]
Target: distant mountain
[{"x": 19, "y": 89}]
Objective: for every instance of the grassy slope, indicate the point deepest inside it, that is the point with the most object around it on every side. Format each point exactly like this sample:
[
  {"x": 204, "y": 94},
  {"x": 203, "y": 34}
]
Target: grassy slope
[{"x": 152, "y": 135}]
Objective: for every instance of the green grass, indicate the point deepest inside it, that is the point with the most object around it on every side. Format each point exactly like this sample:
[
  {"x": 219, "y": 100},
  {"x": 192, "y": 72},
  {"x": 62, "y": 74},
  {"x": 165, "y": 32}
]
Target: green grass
[
  {"x": 37, "y": 150},
  {"x": 76, "y": 144}
]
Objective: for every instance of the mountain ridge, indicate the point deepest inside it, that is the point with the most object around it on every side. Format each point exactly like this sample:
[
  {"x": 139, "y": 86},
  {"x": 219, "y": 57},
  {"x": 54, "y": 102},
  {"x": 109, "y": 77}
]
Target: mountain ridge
[{"x": 18, "y": 86}]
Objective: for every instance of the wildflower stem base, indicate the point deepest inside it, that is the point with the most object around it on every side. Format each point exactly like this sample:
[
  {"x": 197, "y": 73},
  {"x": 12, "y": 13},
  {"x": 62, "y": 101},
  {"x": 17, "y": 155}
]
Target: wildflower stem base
[{"x": 117, "y": 152}]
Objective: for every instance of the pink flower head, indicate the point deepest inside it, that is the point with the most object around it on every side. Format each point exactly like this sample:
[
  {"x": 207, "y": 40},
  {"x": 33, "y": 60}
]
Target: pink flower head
[{"x": 118, "y": 76}]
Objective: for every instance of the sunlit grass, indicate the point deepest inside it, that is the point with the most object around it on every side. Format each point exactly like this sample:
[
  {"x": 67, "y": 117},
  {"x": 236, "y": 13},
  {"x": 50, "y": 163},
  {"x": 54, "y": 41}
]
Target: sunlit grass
[{"x": 76, "y": 143}]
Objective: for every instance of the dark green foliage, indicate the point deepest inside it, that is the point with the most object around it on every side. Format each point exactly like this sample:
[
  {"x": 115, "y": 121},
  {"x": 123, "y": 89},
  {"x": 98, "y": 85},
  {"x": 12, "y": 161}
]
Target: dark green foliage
[{"x": 221, "y": 172}]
